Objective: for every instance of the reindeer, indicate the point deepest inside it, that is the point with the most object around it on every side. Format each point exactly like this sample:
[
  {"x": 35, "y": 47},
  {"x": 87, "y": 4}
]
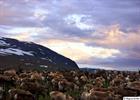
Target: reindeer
[
  {"x": 18, "y": 94},
  {"x": 56, "y": 95}
]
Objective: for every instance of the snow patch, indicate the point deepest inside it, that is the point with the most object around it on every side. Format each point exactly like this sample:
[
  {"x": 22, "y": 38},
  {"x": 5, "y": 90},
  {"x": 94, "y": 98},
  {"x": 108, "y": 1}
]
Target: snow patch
[
  {"x": 40, "y": 49},
  {"x": 44, "y": 66},
  {"x": 42, "y": 53},
  {"x": 50, "y": 60},
  {"x": 14, "y": 46},
  {"x": 47, "y": 59},
  {"x": 15, "y": 51},
  {"x": 44, "y": 58},
  {"x": 3, "y": 43},
  {"x": 28, "y": 64}
]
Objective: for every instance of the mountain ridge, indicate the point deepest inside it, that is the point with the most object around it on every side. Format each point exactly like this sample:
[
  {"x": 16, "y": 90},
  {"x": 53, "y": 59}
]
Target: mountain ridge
[{"x": 32, "y": 54}]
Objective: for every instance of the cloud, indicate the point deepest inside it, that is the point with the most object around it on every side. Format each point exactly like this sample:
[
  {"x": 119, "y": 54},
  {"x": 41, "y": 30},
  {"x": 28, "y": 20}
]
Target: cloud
[
  {"x": 40, "y": 14},
  {"x": 79, "y": 51},
  {"x": 101, "y": 12},
  {"x": 115, "y": 36},
  {"x": 77, "y": 20},
  {"x": 26, "y": 34}
]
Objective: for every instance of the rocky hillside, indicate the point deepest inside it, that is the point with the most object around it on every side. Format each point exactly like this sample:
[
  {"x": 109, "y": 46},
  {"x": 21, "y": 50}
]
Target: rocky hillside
[{"x": 14, "y": 53}]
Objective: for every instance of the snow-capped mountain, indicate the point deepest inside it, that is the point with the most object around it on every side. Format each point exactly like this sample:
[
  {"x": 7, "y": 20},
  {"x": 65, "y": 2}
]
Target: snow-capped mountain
[{"x": 14, "y": 53}]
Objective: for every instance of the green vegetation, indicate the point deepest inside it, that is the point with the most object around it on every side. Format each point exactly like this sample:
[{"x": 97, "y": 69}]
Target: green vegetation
[{"x": 106, "y": 84}]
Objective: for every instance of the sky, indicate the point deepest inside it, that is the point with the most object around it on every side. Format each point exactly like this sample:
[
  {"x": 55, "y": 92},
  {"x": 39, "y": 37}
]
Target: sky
[{"x": 94, "y": 33}]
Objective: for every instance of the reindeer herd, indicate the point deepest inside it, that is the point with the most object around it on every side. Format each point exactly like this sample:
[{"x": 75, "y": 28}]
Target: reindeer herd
[{"x": 68, "y": 85}]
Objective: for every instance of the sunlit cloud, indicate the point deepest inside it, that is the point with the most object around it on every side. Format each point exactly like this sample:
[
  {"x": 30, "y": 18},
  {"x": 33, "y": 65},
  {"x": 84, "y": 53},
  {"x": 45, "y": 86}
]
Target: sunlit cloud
[
  {"x": 114, "y": 36},
  {"x": 80, "y": 51},
  {"x": 26, "y": 33}
]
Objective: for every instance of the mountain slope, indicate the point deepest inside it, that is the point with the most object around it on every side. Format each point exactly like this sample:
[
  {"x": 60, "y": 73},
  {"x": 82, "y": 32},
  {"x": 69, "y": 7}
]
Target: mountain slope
[{"x": 14, "y": 53}]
